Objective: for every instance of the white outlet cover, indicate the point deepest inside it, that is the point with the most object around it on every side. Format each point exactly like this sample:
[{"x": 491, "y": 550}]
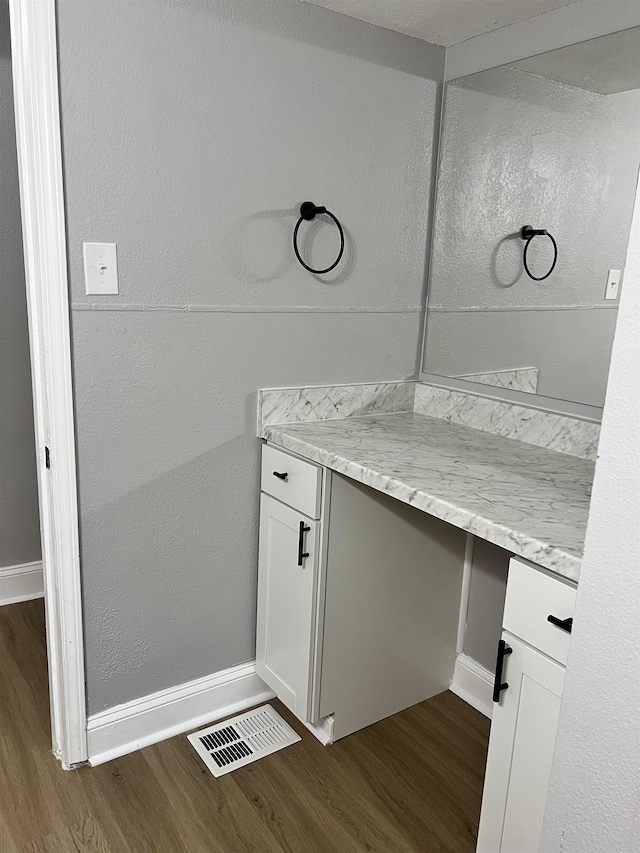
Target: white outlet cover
[{"x": 100, "y": 268}]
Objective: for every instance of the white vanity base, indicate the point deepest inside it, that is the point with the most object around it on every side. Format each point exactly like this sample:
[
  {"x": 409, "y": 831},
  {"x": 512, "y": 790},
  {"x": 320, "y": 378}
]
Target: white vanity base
[{"x": 363, "y": 547}]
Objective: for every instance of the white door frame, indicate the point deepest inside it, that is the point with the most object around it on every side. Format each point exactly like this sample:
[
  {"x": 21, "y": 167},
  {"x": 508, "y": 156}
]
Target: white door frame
[{"x": 37, "y": 110}]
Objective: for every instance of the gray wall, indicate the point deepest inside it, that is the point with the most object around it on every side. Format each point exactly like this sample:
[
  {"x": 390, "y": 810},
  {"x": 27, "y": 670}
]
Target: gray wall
[
  {"x": 489, "y": 568},
  {"x": 189, "y": 138},
  {"x": 524, "y": 149},
  {"x": 19, "y": 520}
]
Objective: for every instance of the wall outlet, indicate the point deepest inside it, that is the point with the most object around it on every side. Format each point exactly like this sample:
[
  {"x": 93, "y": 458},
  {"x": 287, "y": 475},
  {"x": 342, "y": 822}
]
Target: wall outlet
[
  {"x": 100, "y": 268},
  {"x": 613, "y": 284}
]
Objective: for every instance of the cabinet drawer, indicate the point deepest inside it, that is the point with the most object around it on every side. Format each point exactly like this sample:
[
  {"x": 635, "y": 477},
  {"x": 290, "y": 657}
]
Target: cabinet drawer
[
  {"x": 533, "y": 596},
  {"x": 298, "y": 484}
]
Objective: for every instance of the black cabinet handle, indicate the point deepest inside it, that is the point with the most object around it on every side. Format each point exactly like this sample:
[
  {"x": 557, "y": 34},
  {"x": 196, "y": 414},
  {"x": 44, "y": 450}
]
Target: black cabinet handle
[
  {"x": 304, "y": 528},
  {"x": 280, "y": 476},
  {"x": 498, "y": 684},
  {"x": 565, "y": 624}
]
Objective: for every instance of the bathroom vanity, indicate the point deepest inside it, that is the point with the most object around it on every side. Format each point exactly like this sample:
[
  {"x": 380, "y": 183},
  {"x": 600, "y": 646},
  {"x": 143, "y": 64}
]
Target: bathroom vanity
[{"x": 365, "y": 514}]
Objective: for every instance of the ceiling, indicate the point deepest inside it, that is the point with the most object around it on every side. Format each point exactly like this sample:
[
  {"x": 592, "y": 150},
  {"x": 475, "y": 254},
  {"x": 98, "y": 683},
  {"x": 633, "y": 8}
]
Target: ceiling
[
  {"x": 606, "y": 65},
  {"x": 444, "y": 22}
]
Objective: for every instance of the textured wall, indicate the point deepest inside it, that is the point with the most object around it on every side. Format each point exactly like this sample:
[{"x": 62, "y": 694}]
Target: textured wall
[
  {"x": 19, "y": 519},
  {"x": 521, "y": 149},
  {"x": 487, "y": 592},
  {"x": 554, "y": 341},
  {"x": 189, "y": 138},
  {"x": 593, "y": 795}
]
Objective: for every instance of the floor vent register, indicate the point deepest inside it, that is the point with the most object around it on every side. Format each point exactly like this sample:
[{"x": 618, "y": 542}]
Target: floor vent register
[{"x": 242, "y": 739}]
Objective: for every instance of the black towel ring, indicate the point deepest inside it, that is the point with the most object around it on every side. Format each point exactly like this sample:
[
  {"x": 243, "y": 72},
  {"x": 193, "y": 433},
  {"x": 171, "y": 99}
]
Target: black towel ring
[
  {"x": 309, "y": 211},
  {"x": 528, "y": 233}
]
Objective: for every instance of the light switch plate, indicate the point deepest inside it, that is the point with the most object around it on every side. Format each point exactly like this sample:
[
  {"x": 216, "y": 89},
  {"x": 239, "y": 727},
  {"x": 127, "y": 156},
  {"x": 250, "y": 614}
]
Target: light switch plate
[
  {"x": 100, "y": 268},
  {"x": 613, "y": 283}
]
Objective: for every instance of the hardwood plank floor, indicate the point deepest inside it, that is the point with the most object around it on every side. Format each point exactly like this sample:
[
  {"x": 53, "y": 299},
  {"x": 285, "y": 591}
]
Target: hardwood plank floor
[{"x": 410, "y": 783}]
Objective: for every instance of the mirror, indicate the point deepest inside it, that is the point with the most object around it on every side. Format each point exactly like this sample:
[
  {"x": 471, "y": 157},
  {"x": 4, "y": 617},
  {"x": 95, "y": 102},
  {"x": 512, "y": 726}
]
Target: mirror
[{"x": 551, "y": 142}]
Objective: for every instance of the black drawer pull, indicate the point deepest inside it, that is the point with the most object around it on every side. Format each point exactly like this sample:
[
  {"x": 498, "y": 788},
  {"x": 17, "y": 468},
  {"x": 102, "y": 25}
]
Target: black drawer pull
[
  {"x": 498, "y": 684},
  {"x": 281, "y": 476},
  {"x": 304, "y": 528},
  {"x": 565, "y": 624}
]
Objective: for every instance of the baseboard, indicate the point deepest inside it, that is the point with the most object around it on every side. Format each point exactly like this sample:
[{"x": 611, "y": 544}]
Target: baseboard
[
  {"x": 323, "y": 729},
  {"x": 473, "y": 683},
  {"x": 162, "y": 715},
  {"x": 21, "y": 583}
]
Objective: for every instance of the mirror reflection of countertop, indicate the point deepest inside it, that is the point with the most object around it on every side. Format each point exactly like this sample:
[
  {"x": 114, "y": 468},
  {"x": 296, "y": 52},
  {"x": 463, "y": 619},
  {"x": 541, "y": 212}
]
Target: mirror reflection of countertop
[{"x": 532, "y": 501}]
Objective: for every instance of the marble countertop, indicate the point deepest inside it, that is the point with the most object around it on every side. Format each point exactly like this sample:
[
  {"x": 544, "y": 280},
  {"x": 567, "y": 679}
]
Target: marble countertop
[{"x": 529, "y": 500}]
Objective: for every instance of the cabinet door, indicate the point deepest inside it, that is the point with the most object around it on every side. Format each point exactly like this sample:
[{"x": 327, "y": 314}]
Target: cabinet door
[
  {"x": 523, "y": 734},
  {"x": 286, "y": 589}
]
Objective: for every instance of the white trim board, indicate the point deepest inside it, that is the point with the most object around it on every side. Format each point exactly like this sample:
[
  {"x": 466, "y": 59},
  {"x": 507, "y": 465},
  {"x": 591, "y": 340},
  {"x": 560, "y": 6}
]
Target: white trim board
[
  {"x": 21, "y": 583},
  {"x": 323, "y": 729},
  {"x": 37, "y": 114},
  {"x": 473, "y": 683},
  {"x": 142, "y": 722}
]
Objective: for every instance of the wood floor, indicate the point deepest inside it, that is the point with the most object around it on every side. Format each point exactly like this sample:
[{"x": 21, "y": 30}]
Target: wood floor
[{"x": 410, "y": 783}]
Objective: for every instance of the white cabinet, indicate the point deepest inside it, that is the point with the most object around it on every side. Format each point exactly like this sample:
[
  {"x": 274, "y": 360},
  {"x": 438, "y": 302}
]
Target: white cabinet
[
  {"x": 365, "y": 624},
  {"x": 523, "y": 734},
  {"x": 534, "y": 595},
  {"x": 287, "y": 576},
  {"x": 291, "y": 480},
  {"x": 525, "y": 719}
]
